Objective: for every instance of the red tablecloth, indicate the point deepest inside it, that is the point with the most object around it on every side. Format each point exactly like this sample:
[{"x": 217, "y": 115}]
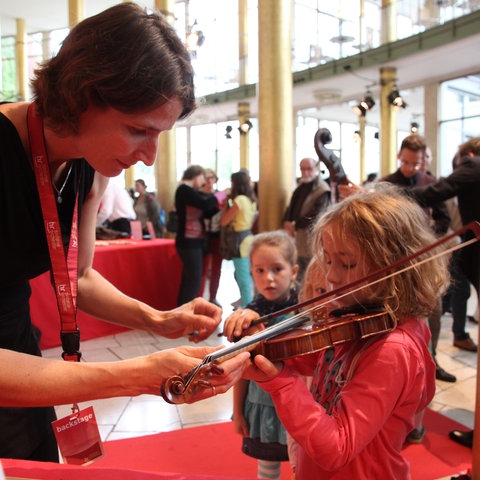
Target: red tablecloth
[
  {"x": 22, "y": 469},
  {"x": 148, "y": 270}
]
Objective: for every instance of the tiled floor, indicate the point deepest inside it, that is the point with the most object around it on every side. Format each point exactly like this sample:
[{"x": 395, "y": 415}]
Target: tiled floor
[{"x": 134, "y": 416}]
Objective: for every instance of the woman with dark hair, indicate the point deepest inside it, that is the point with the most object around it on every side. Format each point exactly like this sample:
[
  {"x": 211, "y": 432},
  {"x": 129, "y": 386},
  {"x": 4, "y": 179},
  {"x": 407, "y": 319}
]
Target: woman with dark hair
[
  {"x": 147, "y": 208},
  {"x": 119, "y": 79},
  {"x": 192, "y": 206},
  {"x": 240, "y": 212}
]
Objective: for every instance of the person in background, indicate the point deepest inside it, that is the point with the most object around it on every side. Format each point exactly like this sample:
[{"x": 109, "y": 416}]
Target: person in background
[
  {"x": 273, "y": 260},
  {"x": 212, "y": 259},
  {"x": 411, "y": 173},
  {"x": 365, "y": 392},
  {"x": 240, "y": 211},
  {"x": 309, "y": 200},
  {"x": 192, "y": 207},
  {"x": 119, "y": 79},
  {"x": 116, "y": 209},
  {"x": 463, "y": 183},
  {"x": 147, "y": 208}
]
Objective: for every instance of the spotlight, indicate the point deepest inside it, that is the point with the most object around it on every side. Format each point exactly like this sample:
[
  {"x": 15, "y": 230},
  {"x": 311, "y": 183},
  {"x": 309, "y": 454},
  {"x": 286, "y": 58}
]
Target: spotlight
[
  {"x": 356, "y": 136},
  {"x": 367, "y": 102},
  {"x": 245, "y": 127},
  {"x": 396, "y": 99},
  {"x": 414, "y": 127},
  {"x": 228, "y": 130},
  {"x": 360, "y": 110}
]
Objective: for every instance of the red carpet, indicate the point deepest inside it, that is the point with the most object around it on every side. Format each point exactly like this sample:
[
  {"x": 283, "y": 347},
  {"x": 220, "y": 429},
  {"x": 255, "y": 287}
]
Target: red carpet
[{"x": 215, "y": 450}]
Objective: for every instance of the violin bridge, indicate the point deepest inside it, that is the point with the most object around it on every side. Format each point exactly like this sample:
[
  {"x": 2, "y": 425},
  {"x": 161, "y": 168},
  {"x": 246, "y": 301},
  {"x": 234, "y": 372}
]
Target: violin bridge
[{"x": 319, "y": 315}]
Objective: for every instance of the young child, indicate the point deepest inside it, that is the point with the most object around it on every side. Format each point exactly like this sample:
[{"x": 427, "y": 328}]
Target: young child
[
  {"x": 274, "y": 269},
  {"x": 365, "y": 393}
]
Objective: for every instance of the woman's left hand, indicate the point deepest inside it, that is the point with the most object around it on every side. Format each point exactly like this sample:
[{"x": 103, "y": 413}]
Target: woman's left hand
[{"x": 197, "y": 319}]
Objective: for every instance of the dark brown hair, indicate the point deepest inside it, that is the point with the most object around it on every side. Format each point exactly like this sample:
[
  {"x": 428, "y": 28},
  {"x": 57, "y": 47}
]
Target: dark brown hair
[
  {"x": 123, "y": 58},
  {"x": 242, "y": 185},
  {"x": 193, "y": 171},
  {"x": 416, "y": 143}
]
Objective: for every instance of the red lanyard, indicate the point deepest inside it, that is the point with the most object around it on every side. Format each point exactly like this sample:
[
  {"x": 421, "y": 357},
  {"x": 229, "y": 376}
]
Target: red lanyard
[{"x": 64, "y": 267}]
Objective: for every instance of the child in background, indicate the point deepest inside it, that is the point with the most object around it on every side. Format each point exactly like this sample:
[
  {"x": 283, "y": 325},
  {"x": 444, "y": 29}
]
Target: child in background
[
  {"x": 273, "y": 258},
  {"x": 365, "y": 393}
]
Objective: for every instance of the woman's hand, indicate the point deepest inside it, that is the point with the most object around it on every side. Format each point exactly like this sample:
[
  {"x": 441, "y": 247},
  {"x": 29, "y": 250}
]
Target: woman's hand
[
  {"x": 237, "y": 325},
  {"x": 182, "y": 360},
  {"x": 197, "y": 319}
]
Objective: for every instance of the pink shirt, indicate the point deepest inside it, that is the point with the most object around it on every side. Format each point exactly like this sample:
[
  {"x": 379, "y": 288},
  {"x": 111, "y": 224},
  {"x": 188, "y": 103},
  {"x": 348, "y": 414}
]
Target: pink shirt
[{"x": 356, "y": 429}]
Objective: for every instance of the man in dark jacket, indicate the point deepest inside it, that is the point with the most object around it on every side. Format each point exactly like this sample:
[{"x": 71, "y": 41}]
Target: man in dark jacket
[
  {"x": 464, "y": 183},
  {"x": 409, "y": 174}
]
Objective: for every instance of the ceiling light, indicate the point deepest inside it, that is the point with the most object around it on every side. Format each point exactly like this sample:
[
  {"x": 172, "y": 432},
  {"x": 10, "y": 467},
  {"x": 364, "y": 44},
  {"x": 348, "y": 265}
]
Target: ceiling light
[
  {"x": 367, "y": 102},
  {"x": 245, "y": 127},
  {"x": 396, "y": 99},
  {"x": 360, "y": 110},
  {"x": 414, "y": 127}
]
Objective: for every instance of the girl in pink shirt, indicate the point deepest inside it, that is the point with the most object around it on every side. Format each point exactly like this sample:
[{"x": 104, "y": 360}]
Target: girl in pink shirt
[{"x": 352, "y": 422}]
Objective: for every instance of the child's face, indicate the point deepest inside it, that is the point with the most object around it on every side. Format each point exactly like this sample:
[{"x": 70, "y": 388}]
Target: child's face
[
  {"x": 344, "y": 263},
  {"x": 271, "y": 273}
]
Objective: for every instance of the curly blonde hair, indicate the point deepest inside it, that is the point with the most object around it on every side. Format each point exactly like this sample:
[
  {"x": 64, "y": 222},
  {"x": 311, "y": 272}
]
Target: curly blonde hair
[{"x": 388, "y": 226}]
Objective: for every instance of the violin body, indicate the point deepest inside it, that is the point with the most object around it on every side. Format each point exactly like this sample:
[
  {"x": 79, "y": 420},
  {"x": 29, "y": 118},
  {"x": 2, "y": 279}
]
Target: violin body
[{"x": 320, "y": 336}]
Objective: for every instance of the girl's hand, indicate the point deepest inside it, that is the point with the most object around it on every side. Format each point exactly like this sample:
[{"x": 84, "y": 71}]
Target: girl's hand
[
  {"x": 197, "y": 319},
  {"x": 237, "y": 325},
  {"x": 241, "y": 425},
  {"x": 262, "y": 369}
]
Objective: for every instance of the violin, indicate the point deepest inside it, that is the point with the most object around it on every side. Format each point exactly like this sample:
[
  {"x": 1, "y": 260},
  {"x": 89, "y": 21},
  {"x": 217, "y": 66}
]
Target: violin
[
  {"x": 296, "y": 336},
  {"x": 311, "y": 330}
]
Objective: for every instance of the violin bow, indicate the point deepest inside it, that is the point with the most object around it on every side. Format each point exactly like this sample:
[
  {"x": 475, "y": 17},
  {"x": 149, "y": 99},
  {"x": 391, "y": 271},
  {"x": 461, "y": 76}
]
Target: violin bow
[{"x": 379, "y": 275}]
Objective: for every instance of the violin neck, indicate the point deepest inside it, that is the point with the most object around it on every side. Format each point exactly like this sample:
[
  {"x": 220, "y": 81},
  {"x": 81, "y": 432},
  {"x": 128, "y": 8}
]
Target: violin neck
[{"x": 247, "y": 344}]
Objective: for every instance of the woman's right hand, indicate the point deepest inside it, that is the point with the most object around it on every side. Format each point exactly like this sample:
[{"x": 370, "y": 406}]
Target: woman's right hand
[
  {"x": 237, "y": 325},
  {"x": 158, "y": 367}
]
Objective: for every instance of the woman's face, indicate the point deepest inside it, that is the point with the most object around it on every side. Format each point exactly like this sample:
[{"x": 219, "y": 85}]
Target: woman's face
[{"x": 112, "y": 141}]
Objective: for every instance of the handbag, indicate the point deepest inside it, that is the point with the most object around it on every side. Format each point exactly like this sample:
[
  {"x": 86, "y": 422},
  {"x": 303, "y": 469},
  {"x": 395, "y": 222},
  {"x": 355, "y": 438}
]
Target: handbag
[{"x": 230, "y": 241}]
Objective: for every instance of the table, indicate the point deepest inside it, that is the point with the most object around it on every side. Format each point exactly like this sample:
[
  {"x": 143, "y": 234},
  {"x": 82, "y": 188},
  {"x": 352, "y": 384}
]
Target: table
[{"x": 148, "y": 270}]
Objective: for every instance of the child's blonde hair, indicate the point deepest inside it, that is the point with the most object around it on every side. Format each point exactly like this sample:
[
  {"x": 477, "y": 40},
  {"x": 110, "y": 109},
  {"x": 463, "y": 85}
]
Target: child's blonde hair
[
  {"x": 276, "y": 238},
  {"x": 388, "y": 226}
]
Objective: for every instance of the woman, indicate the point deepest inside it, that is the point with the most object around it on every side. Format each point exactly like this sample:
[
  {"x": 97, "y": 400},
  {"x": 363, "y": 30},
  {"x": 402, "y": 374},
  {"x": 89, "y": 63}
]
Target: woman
[
  {"x": 239, "y": 212},
  {"x": 212, "y": 259},
  {"x": 119, "y": 79},
  {"x": 147, "y": 208},
  {"x": 192, "y": 206}
]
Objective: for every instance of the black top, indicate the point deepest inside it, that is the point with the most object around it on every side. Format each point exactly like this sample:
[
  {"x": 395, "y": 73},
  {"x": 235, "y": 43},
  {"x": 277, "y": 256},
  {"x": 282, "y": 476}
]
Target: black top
[
  {"x": 23, "y": 245},
  {"x": 192, "y": 207}
]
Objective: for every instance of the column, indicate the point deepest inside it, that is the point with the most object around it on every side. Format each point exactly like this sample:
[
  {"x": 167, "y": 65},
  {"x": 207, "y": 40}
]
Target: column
[
  {"x": 388, "y": 123},
  {"x": 275, "y": 111},
  {"x": 431, "y": 128},
  {"x": 243, "y": 107},
  {"x": 166, "y": 166},
  {"x": 22, "y": 59},
  {"x": 389, "y": 21},
  {"x": 362, "y": 122},
  {"x": 75, "y": 12}
]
